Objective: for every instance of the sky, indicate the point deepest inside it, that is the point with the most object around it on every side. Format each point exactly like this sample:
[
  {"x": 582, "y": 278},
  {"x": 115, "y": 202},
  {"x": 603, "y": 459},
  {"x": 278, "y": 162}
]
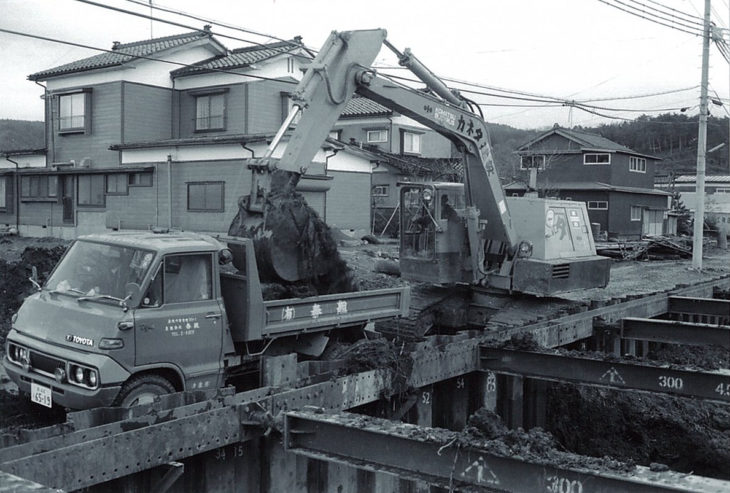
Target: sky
[{"x": 567, "y": 49}]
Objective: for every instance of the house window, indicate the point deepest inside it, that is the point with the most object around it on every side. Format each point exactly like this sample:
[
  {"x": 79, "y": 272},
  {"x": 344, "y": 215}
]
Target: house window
[
  {"x": 722, "y": 190},
  {"x": 598, "y": 205},
  {"x": 411, "y": 143},
  {"x": 206, "y": 196},
  {"x": 380, "y": 191},
  {"x": 210, "y": 112},
  {"x": 38, "y": 187},
  {"x": 636, "y": 213},
  {"x": 335, "y": 134},
  {"x": 91, "y": 190},
  {"x": 72, "y": 114},
  {"x": 597, "y": 158},
  {"x": 376, "y": 136},
  {"x": 117, "y": 184},
  {"x": 140, "y": 179},
  {"x": 528, "y": 162},
  {"x": 637, "y": 164}
]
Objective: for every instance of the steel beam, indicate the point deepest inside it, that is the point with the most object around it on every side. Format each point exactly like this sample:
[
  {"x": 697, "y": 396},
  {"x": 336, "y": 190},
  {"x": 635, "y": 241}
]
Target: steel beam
[
  {"x": 699, "y": 306},
  {"x": 674, "y": 332},
  {"x": 708, "y": 385},
  {"x": 435, "y": 456}
]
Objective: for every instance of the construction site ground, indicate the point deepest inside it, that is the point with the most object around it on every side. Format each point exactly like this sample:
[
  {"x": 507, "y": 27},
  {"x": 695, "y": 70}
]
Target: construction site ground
[{"x": 685, "y": 434}]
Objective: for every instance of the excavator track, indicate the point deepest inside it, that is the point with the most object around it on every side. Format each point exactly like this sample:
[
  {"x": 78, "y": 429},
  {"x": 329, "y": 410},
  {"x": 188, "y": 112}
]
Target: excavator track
[{"x": 428, "y": 303}]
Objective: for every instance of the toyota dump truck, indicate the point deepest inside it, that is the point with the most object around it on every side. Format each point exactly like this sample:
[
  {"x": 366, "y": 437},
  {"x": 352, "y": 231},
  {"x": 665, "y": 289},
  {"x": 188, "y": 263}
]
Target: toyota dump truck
[{"x": 127, "y": 316}]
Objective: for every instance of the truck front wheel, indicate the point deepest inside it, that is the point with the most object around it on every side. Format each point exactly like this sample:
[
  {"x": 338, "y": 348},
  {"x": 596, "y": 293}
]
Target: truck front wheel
[{"x": 142, "y": 390}]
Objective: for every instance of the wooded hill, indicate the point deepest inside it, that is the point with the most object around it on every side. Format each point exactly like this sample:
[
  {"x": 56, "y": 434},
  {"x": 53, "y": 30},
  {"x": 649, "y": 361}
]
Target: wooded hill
[{"x": 21, "y": 134}]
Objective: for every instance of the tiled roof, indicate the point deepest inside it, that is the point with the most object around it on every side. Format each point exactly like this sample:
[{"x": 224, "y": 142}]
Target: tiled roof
[
  {"x": 360, "y": 106},
  {"x": 708, "y": 179},
  {"x": 122, "y": 53},
  {"x": 586, "y": 141},
  {"x": 242, "y": 57},
  {"x": 595, "y": 141}
]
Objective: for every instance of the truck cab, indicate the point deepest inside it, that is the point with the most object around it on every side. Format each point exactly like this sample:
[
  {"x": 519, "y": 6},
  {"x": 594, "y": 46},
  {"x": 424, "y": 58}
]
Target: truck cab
[
  {"x": 128, "y": 316},
  {"x": 120, "y": 305}
]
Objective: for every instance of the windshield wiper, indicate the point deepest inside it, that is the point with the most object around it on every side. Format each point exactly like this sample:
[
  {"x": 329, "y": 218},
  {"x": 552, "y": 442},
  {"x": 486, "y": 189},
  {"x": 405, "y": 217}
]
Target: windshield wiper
[
  {"x": 67, "y": 290},
  {"x": 97, "y": 297}
]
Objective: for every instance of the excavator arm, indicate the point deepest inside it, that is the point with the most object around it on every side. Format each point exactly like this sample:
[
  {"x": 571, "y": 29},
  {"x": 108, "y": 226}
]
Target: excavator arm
[{"x": 295, "y": 249}]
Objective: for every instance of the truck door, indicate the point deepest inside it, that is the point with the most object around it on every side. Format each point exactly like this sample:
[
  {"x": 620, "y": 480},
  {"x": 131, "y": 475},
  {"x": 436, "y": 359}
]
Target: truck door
[{"x": 180, "y": 319}]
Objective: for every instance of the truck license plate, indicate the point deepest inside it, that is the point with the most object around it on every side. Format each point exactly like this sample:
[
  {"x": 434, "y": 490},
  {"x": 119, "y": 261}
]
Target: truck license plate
[{"x": 40, "y": 395}]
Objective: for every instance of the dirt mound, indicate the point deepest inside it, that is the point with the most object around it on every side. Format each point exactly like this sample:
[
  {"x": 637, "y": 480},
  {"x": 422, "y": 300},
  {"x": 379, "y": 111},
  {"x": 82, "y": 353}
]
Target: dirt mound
[
  {"x": 293, "y": 245},
  {"x": 686, "y": 435},
  {"x": 485, "y": 430},
  {"x": 14, "y": 283}
]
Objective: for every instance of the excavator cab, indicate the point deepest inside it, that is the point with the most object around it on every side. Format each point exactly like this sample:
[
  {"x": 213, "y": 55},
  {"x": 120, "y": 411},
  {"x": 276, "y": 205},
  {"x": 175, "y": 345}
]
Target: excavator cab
[{"x": 433, "y": 236}]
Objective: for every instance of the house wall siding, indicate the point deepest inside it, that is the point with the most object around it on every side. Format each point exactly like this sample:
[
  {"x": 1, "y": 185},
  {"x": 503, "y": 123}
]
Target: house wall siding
[
  {"x": 622, "y": 176},
  {"x": 106, "y": 129},
  {"x": 266, "y": 105},
  {"x": 348, "y": 200},
  {"x": 570, "y": 168},
  {"x": 147, "y": 113},
  {"x": 619, "y": 220}
]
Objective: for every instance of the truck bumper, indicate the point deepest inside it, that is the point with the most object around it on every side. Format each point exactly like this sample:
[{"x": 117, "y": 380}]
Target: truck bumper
[
  {"x": 64, "y": 395},
  {"x": 111, "y": 374}
]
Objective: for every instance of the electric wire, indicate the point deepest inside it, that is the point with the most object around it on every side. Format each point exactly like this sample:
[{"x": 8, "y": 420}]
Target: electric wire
[
  {"x": 178, "y": 24},
  {"x": 690, "y": 23},
  {"x": 692, "y": 32},
  {"x": 181, "y": 13}
]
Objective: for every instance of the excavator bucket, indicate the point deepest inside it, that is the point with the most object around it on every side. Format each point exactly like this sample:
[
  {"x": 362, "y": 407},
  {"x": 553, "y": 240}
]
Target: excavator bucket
[{"x": 292, "y": 243}]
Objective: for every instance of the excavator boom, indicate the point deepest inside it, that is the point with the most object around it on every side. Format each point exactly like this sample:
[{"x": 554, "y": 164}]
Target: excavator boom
[{"x": 495, "y": 250}]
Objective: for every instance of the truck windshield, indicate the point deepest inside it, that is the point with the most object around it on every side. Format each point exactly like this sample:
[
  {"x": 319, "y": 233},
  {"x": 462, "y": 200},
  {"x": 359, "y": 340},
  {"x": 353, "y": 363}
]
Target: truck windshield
[{"x": 98, "y": 269}]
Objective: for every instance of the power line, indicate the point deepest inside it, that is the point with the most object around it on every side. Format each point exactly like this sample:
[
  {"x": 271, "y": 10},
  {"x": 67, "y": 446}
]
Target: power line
[
  {"x": 181, "y": 13},
  {"x": 639, "y": 96},
  {"x": 656, "y": 21},
  {"x": 671, "y": 17},
  {"x": 178, "y": 24},
  {"x": 154, "y": 59},
  {"x": 680, "y": 12}
]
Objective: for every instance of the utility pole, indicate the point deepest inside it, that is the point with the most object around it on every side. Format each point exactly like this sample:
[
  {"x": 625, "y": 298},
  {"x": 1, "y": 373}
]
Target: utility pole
[{"x": 701, "y": 147}]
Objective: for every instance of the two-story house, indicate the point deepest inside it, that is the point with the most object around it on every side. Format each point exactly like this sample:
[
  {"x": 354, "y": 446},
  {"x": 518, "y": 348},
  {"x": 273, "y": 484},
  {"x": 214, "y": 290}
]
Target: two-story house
[
  {"x": 615, "y": 182},
  {"x": 159, "y": 133}
]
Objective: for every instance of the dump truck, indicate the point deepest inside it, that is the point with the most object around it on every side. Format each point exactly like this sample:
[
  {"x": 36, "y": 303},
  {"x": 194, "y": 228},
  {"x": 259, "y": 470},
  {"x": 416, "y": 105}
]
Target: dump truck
[{"x": 127, "y": 316}]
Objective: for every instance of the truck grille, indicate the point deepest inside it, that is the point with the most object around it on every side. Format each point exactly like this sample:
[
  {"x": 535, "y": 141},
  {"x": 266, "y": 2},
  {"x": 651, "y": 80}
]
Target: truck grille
[
  {"x": 561, "y": 271},
  {"x": 45, "y": 364}
]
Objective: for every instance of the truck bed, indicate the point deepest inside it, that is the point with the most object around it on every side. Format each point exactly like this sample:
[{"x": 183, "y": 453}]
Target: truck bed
[{"x": 279, "y": 318}]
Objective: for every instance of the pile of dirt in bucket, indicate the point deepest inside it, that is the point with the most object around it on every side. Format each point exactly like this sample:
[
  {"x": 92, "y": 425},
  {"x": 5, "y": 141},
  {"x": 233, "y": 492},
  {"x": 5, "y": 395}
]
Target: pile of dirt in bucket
[{"x": 294, "y": 247}]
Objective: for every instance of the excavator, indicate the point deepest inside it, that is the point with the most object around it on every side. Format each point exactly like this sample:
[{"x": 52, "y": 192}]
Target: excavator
[{"x": 451, "y": 233}]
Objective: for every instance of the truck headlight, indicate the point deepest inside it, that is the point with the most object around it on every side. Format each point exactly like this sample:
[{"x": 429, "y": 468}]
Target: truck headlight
[
  {"x": 79, "y": 374},
  {"x": 92, "y": 378}
]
